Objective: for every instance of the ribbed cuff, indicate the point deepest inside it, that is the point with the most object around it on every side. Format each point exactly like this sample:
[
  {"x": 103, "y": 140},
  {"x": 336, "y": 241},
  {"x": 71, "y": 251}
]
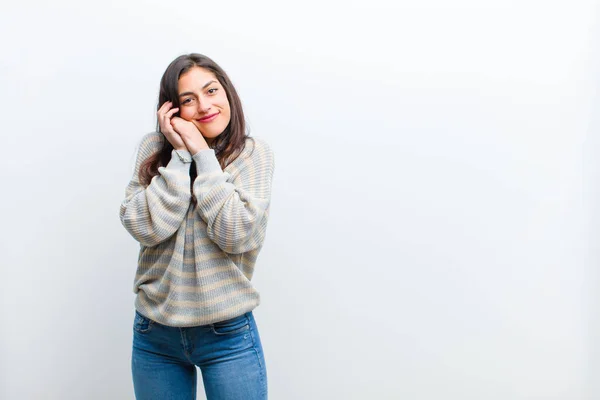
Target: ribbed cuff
[
  {"x": 206, "y": 161},
  {"x": 177, "y": 164}
]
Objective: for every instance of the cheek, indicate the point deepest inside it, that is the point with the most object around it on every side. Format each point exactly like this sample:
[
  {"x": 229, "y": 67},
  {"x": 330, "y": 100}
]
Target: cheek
[
  {"x": 227, "y": 112},
  {"x": 226, "y": 119},
  {"x": 186, "y": 113}
]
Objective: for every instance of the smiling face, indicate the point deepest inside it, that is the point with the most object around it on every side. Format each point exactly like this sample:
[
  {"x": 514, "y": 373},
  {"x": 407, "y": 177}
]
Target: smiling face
[{"x": 203, "y": 101}]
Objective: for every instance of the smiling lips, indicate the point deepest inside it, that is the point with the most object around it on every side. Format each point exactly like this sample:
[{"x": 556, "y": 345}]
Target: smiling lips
[{"x": 208, "y": 118}]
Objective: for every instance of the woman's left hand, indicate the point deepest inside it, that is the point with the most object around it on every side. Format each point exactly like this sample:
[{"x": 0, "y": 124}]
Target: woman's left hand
[{"x": 193, "y": 139}]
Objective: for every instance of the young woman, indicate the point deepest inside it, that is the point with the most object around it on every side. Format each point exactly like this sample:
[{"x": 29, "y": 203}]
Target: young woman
[{"x": 198, "y": 204}]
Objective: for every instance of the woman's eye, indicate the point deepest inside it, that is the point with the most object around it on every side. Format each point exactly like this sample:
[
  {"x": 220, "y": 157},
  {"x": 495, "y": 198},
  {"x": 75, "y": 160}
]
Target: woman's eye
[
  {"x": 212, "y": 91},
  {"x": 186, "y": 101}
]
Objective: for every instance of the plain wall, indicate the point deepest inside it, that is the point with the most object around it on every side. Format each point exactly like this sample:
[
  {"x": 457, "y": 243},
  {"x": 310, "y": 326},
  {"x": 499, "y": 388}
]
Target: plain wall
[
  {"x": 591, "y": 197},
  {"x": 428, "y": 236}
]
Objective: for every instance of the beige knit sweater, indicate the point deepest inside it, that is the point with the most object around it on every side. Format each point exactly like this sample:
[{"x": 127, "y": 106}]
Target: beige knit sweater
[{"x": 196, "y": 262}]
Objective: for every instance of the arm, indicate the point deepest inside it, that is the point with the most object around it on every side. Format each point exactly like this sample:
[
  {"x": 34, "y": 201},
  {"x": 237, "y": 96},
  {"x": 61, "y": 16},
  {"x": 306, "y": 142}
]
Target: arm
[
  {"x": 236, "y": 213},
  {"x": 152, "y": 214}
]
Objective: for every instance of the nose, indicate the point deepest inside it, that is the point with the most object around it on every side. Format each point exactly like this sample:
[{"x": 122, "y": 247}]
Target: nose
[{"x": 203, "y": 106}]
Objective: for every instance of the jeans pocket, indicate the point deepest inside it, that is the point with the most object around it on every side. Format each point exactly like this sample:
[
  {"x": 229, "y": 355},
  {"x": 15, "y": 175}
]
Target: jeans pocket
[
  {"x": 231, "y": 326},
  {"x": 141, "y": 323}
]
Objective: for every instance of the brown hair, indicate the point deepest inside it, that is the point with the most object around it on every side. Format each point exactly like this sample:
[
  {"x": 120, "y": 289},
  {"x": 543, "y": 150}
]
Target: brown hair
[{"x": 228, "y": 145}]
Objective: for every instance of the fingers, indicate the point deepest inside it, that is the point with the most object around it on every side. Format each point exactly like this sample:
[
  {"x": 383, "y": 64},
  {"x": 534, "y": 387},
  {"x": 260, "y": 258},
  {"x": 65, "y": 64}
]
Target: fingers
[
  {"x": 175, "y": 124},
  {"x": 164, "y": 115},
  {"x": 164, "y": 108},
  {"x": 170, "y": 113},
  {"x": 166, "y": 111}
]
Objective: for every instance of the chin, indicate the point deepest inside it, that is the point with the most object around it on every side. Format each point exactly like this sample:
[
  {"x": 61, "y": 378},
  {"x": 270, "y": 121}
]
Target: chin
[
  {"x": 210, "y": 138},
  {"x": 213, "y": 133}
]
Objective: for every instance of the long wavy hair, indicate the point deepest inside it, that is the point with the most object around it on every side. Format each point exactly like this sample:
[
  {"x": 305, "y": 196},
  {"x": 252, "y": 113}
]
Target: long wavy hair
[{"x": 228, "y": 145}]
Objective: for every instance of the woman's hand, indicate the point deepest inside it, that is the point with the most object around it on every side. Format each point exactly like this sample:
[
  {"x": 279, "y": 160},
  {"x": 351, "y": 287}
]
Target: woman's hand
[
  {"x": 164, "y": 114},
  {"x": 191, "y": 136}
]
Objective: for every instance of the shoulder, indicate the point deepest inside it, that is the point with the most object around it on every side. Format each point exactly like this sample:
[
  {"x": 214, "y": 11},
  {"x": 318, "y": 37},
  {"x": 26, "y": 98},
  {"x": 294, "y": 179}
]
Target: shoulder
[
  {"x": 150, "y": 144},
  {"x": 151, "y": 139},
  {"x": 257, "y": 147},
  {"x": 256, "y": 156}
]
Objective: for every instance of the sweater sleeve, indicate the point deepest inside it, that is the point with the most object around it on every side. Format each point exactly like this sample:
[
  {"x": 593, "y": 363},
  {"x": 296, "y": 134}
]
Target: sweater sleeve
[
  {"x": 235, "y": 210},
  {"x": 153, "y": 214}
]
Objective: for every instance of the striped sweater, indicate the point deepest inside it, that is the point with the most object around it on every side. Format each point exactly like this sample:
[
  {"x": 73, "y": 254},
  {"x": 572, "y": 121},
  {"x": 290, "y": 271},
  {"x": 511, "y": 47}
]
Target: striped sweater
[{"x": 196, "y": 262}]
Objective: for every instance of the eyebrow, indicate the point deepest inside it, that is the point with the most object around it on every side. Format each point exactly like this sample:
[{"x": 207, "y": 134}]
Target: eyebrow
[{"x": 203, "y": 87}]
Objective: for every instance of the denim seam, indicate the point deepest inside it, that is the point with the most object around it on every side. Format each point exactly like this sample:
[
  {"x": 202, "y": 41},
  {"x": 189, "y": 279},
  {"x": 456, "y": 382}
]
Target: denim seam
[
  {"x": 143, "y": 319},
  {"x": 262, "y": 368},
  {"x": 184, "y": 344},
  {"x": 243, "y": 328}
]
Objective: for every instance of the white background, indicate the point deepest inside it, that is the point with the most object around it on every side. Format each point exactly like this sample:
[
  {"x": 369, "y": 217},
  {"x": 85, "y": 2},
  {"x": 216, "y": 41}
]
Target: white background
[{"x": 434, "y": 232}]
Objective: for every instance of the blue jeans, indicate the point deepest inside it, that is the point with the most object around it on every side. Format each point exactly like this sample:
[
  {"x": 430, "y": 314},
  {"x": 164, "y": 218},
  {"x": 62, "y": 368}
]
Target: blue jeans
[{"x": 228, "y": 353}]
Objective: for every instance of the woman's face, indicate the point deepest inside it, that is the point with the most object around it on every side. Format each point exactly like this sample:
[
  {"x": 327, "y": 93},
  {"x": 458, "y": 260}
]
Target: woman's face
[{"x": 203, "y": 101}]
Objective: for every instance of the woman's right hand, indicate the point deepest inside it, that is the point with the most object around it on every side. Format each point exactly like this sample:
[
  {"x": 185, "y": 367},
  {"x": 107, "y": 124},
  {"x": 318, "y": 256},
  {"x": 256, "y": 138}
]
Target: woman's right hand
[{"x": 164, "y": 114}]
